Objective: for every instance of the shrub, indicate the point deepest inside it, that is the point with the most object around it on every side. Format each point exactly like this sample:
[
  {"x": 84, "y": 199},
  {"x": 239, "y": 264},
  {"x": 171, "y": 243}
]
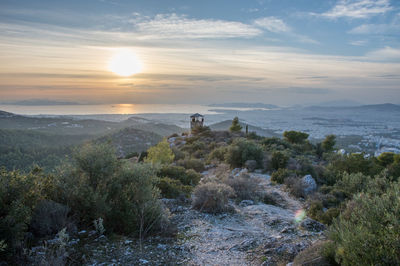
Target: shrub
[
  {"x": 242, "y": 150},
  {"x": 279, "y": 160},
  {"x": 133, "y": 205},
  {"x": 126, "y": 198},
  {"x": 195, "y": 146},
  {"x": 50, "y": 217},
  {"x": 161, "y": 153},
  {"x": 212, "y": 197},
  {"x": 355, "y": 163},
  {"x": 178, "y": 154},
  {"x": 280, "y": 175},
  {"x": 328, "y": 143},
  {"x": 316, "y": 211},
  {"x": 235, "y": 127},
  {"x": 275, "y": 144},
  {"x": 19, "y": 195},
  {"x": 251, "y": 165},
  {"x": 312, "y": 256},
  {"x": 295, "y": 186},
  {"x": 295, "y": 136},
  {"x": 172, "y": 188},
  {"x": 97, "y": 161},
  {"x": 218, "y": 154},
  {"x": 350, "y": 184},
  {"x": 245, "y": 187},
  {"x": 186, "y": 177},
  {"x": 386, "y": 158},
  {"x": 195, "y": 164},
  {"x": 367, "y": 232}
]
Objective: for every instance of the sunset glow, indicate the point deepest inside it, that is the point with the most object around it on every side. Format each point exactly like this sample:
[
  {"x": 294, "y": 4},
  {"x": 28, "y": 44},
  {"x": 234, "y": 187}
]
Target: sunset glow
[{"x": 125, "y": 63}]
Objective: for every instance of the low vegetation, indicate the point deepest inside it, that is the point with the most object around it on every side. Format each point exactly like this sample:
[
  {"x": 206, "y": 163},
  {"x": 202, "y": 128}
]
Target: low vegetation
[{"x": 356, "y": 195}]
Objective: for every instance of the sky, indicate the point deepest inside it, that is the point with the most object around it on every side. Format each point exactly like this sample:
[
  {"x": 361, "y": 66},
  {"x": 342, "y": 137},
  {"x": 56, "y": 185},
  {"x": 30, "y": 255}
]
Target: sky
[{"x": 281, "y": 52}]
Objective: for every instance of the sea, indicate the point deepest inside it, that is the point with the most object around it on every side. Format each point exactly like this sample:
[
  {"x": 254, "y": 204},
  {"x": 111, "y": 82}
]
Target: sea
[{"x": 121, "y": 109}]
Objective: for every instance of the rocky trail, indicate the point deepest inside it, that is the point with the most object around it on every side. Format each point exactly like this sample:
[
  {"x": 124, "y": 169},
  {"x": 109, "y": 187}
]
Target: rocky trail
[{"x": 253, "y": 234}]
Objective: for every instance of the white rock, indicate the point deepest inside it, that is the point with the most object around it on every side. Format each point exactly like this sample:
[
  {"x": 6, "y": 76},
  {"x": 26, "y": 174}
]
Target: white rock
[
  {"x": 309, "y": 184},
  {"x": 143, "y": 261}
]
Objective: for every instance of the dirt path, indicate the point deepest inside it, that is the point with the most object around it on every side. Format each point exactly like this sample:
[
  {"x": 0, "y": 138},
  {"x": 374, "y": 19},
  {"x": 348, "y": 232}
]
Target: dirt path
[
  {"x": 238, "y": 239},
  {"x": 255, "y": 234}
]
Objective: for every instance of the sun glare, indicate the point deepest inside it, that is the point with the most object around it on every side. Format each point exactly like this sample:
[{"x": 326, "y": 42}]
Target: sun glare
[{"x": 125, "y": 63}]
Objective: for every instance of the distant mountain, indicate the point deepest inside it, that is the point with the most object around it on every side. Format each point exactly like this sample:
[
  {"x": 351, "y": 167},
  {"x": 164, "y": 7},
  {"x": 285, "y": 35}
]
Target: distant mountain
[
  {"x": 4, "y": 114},
  {"x": 340, "y": 103},
  {"x": 245, "y": 105},
  {"x": 386, "y": 107},
  {"x": 68, "y": 125},
  {"x": 36, "y": 102},
  {"x": 225, "y": 125}
]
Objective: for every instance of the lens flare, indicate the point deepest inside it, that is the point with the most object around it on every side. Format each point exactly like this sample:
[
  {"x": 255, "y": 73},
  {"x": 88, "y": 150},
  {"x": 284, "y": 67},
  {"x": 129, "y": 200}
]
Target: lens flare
[{"x": 299, "y": 215}]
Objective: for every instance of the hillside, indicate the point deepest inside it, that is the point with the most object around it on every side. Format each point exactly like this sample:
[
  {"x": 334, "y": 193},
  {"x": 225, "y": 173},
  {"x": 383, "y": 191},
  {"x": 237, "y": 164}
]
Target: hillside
[
  {"x": 69, "y": 126},
  {"x": 46, "y": 141},
  {"x": 224, "y": 125},
  {"x": 131, "y": 140}
]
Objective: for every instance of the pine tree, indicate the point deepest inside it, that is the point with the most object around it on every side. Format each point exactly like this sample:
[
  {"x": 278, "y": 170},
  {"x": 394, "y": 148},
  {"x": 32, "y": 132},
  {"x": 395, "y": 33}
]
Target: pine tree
[{"x": 235, "y": 127}]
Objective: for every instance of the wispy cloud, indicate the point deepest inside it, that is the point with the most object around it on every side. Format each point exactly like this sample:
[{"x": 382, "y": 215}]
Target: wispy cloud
[
  {"x": 385, "y": 54},
  {"x": 380, "y": 29},
  {"x": 181, "y": 26},
  {"x": 272, "y": 24},
  {"x": 359, "y": 43},
  {"x": 277, "y": 25},
  {"x": 357, "y": 9}
]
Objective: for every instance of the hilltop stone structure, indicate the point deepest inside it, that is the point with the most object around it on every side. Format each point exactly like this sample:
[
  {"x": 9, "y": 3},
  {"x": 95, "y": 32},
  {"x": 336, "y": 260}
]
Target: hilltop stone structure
[{"x": 196, "y": 120}]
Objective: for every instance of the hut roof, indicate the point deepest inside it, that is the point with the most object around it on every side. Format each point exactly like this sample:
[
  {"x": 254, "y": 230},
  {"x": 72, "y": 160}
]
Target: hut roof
[{"x": 196, "y": 115}]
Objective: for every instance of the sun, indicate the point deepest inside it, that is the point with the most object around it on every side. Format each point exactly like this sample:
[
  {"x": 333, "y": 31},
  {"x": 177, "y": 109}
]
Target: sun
[{"x": 125, "y": 63}]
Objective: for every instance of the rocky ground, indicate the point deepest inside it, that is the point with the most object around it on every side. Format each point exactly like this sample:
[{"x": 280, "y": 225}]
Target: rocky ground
[{"x": 253, "y": 234}]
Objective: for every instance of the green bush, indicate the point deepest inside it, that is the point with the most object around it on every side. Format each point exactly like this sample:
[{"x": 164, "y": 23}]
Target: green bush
[
  {"x": 132, "y": 201},
  {"x": 186, "y": 177},
  {"x": 280, "y": 175},
  {"x": 212, "y": 197},
  {"x": 195, "y": 146},
  {"x": 124, "y": 195},
  {"x": 195, "y": 164},
  {"x": 172, "y": 188},
  {"x": 235, "y": 127},
  {"x": 161, "y": 153},
  {"x": 242, "y": 150},
  {"x": 355, "y": 163},
  {"x": 49, "y": 218},
  {"x": 315, "y": 211},
  {"x": 217, "y": 154},
  {"x": 275, "y": 144},
  {"x": 328, "y": 143},
  {"x": 295, "y": 136},
  {"x": 386, "y": 158},
  {"x": 279, "y": 160},
  {"x": 19, "y": 195},
  {"x": 367, "y": 232}
]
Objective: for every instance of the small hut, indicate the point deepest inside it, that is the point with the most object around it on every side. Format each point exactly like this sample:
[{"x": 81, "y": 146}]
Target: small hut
[{"x": 196, "y": 120}]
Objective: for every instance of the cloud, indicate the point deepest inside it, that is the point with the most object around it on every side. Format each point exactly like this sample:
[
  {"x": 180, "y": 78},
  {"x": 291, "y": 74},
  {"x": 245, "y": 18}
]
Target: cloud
[
  {"x": 277, "y": 25},
  {"x": 359, "y": 43},
  {"x": 272, "y": 24},
  {"x": 376, "y": 29},
  {"x": 357, "y": 9},
  {"x": 181, "y": 26},
  {"x": 299, "y": 90},
  {"x": 386, "y": 54}
]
